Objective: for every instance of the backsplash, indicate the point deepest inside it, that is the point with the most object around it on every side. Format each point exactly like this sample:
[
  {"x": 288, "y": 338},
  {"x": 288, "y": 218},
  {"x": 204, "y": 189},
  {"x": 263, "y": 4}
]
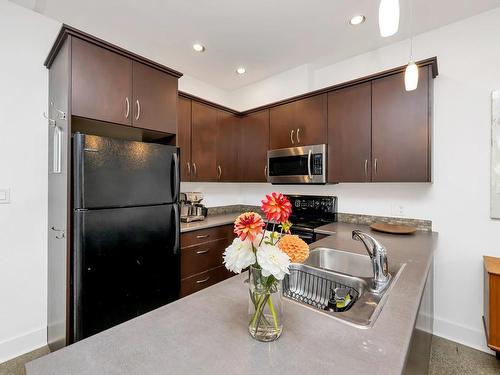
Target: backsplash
[{"x": 420, "y": 224}]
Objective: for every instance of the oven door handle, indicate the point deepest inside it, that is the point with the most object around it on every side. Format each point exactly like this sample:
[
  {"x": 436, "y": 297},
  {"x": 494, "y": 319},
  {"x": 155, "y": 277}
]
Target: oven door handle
[{"x": 309, "y": 155}]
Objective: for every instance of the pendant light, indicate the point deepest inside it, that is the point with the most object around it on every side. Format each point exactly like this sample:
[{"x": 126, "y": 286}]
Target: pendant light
[
  {"x": 411, "y": 72},
  {"x": 388, "y": 17}
]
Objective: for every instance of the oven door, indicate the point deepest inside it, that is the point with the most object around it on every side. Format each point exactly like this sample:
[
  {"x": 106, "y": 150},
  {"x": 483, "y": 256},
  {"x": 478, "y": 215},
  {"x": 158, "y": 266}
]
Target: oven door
[{"x": 297, "y": 165}]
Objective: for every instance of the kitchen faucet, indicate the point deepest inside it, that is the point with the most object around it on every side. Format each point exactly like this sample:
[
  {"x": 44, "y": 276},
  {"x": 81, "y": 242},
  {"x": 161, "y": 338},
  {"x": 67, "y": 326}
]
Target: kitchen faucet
[{"x": 378, "y": 255}]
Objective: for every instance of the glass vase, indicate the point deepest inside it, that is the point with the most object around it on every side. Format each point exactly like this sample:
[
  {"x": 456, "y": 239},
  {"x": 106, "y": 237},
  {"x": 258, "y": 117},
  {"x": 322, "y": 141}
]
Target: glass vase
[{"x": 265, "y": 306}]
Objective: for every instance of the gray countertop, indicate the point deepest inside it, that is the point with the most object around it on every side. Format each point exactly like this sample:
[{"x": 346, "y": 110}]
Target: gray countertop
[
  {"x": 209, "y": 222},
  {"x": 206, "y": 332}
]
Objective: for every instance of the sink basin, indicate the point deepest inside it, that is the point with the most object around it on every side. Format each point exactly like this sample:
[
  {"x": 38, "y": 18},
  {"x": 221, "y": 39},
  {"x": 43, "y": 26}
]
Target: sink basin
[
  {"x": 313, "y": 283},
  {"x": 341, "y": 261}
]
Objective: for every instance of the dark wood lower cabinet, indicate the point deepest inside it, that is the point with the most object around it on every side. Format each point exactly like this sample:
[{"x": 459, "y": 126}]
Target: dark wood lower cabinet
[{"x": 201, "y": 258}]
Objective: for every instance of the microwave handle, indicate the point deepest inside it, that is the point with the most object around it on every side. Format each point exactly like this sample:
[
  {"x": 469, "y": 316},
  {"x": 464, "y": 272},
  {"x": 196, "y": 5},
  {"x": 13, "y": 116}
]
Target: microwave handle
[{"x": 309, "y": 155}]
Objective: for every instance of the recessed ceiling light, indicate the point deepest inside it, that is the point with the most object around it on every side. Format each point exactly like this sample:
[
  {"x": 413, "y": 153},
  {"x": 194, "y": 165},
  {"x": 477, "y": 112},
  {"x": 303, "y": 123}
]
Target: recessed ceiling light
[
  {"x": 357, "y": 20},
  {"x": 241, "y": 70},
  {"x": 198, "y": 47}
]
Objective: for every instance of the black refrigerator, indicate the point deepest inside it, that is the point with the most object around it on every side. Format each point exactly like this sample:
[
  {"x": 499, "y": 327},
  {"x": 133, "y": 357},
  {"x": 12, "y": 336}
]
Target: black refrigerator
[{"x": 126, "y": 255}]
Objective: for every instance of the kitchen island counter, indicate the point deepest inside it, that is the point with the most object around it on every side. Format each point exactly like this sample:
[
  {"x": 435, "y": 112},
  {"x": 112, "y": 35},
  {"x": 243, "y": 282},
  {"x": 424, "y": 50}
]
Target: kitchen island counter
[
  {"x": 210, "y": 222},
  {"x": 206, "y": 332}
]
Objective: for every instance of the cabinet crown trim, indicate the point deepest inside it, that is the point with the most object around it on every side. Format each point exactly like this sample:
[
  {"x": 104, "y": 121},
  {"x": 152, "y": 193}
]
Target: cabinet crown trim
[{"x": 71, "y": 31}]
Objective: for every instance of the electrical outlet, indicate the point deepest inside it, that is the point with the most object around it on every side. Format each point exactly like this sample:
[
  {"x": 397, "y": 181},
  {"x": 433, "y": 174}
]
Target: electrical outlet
[
  {"x": 397, "y": 210},
  {"x": 4, "y": 196}
]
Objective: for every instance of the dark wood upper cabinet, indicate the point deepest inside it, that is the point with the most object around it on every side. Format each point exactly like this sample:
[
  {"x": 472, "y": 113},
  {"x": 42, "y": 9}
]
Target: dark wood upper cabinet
[
  {"x": 299, "y": 123},
  {"x": 281, "y": 123},
  {"x": 154, "y": 99},
  {"x": 349, "y": 134},
  {"x": 184, "y": 137},
  {"x": 253, "y": 148},
  {"x": 401, "y": 129},
  {"x": 228, "y": 140},
  {"x": 203, "y": 142},
  {"x": 311, "y": 120},
  {"x": 101, "y": 84}
]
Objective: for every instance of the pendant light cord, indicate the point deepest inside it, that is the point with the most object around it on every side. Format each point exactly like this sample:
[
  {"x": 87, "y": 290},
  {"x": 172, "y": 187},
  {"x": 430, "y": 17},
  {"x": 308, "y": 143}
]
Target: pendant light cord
[{"x": 411, "y": 30}]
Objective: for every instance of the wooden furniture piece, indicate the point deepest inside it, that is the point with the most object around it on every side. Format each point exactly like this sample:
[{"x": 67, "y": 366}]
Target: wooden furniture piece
[
  {"x": 491, "y": 316},
  {"x": 201, "y": 258},
  {"x": 97, "y": 88},
  {"x": 298, "y": 123}
]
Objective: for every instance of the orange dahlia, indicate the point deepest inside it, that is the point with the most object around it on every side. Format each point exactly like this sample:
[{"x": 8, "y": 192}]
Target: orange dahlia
[
  {"x": 277, "y": 207},
  {"x": 248, "y": 225},
  {"x": 294, "y": 247}
]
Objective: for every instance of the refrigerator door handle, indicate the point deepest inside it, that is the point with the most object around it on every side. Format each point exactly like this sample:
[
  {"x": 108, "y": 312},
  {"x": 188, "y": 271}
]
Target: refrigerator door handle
[
  {"x": 177, "y": 227},
  {"x": 176, "y": 179}
]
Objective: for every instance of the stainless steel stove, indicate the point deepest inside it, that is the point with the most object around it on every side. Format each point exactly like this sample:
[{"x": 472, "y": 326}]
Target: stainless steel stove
[{"x": 310, "y": 212}]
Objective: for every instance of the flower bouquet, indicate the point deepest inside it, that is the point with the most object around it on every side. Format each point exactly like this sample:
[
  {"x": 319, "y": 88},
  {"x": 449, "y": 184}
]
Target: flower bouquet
[{"x": 267, "y": 255}]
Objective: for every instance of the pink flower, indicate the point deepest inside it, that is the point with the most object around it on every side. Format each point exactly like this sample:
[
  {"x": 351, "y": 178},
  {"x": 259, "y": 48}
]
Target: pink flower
[
  {"x": 248, "y": 225},
  {"x": 277, "y": 207}
]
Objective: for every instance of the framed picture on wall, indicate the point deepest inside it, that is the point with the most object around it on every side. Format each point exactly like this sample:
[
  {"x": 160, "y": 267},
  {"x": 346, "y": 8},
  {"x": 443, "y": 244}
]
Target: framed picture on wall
[{"x": 495, "y": 155}]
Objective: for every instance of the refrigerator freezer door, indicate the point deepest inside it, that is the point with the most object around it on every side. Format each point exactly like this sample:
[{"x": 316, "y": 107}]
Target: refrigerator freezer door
[
  {"x": 116, "y": 173},
  {"x": 126, "y": 263}
]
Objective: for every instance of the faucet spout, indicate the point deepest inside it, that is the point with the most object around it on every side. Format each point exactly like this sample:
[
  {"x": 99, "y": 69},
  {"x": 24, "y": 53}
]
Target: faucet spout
[{"x": 378, "y": 255}]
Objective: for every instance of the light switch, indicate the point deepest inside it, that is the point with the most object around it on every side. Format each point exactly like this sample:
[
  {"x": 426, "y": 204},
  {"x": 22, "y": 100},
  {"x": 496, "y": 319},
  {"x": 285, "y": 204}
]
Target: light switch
[{"x": 4, "y": 196}]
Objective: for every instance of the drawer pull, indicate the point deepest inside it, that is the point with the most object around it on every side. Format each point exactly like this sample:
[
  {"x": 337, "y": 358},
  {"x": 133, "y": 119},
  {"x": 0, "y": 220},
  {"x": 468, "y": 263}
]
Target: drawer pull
[
  {"x": 199, "y": 252},
  {"x": 203, "y": 281},
  {"x": 202, "y": 236}
]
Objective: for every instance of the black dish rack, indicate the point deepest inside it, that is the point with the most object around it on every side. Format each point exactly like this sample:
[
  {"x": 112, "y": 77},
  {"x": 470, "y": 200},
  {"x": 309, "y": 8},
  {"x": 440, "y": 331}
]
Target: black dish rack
[{"x": 309, "y": 287}]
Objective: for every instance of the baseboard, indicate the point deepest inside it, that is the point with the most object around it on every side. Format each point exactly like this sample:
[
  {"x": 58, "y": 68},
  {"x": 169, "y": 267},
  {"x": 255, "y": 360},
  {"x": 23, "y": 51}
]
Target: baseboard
[
  {"x": 22, "y": 344},
  {"x": 474, "y": 338}
]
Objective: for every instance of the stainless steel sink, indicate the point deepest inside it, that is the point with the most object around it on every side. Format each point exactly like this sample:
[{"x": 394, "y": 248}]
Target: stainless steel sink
[{"x": 312, "y": 284}]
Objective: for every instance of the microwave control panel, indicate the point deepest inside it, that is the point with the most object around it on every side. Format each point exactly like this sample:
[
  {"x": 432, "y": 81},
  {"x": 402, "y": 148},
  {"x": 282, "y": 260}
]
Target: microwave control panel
[{"x": 317, "y": 164}]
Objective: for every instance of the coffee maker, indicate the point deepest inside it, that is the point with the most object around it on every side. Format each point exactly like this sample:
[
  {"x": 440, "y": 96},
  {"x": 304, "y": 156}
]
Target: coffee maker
[{"x": 191, "y": 207}]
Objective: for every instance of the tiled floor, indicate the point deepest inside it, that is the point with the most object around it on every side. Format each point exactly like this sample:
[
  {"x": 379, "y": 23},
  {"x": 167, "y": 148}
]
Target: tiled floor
[{"x": 447, "y": 358}]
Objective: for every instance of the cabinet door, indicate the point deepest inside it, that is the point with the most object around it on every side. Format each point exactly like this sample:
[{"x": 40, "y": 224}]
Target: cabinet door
[
  {"x": 401, "y": 129},
  {"x": 281, "y": 124},
  {"x": 349, "y": 134},
  {"x": 310, "y": 123},
  {"x": 155, "y": 99},
  {"x": 203, "y": 142},
  {"x": 184, "y": 137},
  {"x": 228, "y": 137},
  {"x": 101, "y": 83},
  {"x": 253, "y": 147}
]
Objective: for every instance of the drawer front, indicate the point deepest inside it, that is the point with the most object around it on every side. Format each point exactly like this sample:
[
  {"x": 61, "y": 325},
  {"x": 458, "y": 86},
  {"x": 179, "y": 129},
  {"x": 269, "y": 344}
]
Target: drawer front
[
  {"x": 203, "y": 257},
  {"x": 204, "y": 235},
  {"x": 203, "y": 280}
]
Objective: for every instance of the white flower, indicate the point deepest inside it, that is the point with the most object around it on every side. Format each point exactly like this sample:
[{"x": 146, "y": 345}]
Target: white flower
[
  {"x": 239, "y": 255},
  {"x": 258, "y": 239},
  {"x": 273, "y": 261}
]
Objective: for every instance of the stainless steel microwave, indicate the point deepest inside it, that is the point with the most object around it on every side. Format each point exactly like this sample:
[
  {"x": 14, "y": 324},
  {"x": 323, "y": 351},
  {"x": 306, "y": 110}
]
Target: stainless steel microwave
[{"x": 297, "y": 165}]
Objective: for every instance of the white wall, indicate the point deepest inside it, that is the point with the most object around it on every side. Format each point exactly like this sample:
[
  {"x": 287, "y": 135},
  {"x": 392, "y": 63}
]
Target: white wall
[
  {"x": 25, "y": 38},
  {"x": 458, "y": 200}
]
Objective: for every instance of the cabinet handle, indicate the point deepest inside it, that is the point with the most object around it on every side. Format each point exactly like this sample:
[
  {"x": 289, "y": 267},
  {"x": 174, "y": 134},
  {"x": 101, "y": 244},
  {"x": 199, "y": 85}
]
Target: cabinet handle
[
  {"x": 298, "y": 139},
  {"x": 127, "y": 107},
  {"x": 138, "y": 109},
  {"x": 291, "y": 136},
  {"x": 202, "y": 236},
  {"x": 203, "y": 281},
  {"x": 265, "y": 172},
  {"x": 375, "y": 165},
  {"x": 195, "y": 171},
  {"x": 200, "y": 252},
  {"x": 366, "y": 168},
  {"x": 220, "y": 172},
  {"x": 61, "y": 236},
  {"x": 189, "y": 168}
]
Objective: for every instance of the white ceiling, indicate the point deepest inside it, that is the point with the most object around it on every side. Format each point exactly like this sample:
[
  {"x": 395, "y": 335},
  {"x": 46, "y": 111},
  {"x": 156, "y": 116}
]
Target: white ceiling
[{"x": 265, "y": 36}]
